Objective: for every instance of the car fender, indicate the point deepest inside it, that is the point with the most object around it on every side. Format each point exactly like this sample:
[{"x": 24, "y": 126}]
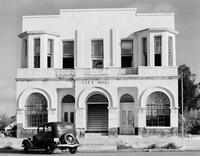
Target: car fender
[{"x": 27, "y": 143}]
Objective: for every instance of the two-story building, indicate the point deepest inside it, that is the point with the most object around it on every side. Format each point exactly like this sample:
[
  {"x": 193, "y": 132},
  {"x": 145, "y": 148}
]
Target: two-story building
[{"x": 106, "y": 70}]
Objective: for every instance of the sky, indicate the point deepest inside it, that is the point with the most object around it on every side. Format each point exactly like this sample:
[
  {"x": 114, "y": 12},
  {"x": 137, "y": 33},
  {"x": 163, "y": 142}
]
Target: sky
[{"x": 187, "y": 20}]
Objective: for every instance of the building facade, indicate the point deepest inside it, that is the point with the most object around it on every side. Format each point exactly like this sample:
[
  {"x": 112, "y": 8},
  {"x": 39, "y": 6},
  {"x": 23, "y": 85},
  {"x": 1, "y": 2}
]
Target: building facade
[{"x": 106, "y": 70}]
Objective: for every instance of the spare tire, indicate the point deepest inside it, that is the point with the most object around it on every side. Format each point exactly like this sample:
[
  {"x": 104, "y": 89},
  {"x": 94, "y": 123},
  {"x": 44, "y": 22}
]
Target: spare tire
[{"x": 69, "y": 139}]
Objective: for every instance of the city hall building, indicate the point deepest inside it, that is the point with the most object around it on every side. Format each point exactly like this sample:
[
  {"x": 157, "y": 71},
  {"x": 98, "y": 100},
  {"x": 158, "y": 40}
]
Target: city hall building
[{"x": 106, "y": 70}]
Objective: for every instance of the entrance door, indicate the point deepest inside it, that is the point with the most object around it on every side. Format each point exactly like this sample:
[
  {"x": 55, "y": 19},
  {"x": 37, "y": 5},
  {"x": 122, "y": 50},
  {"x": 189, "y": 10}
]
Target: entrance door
[
  {"x": 97, "y": 110},
  {"x": 68, "y": 109},
  {"x": 127, "y": 115}
]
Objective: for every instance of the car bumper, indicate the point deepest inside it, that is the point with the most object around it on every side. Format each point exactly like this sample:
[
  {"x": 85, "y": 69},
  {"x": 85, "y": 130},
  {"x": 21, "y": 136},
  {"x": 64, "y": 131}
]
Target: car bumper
[{"x": 67, "y": 145}]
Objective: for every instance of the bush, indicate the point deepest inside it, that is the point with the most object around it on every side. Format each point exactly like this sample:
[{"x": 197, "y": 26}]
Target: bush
[
  {"x": 191, "y": 122},
  {"x": 170, "y": 146},
  {"x": 153, "y": 146}
]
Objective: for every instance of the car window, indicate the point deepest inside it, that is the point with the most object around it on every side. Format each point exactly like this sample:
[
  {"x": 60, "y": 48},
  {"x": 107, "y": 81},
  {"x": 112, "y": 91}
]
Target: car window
[
  {"x": 47, "y": 128},
  {"x": 40, "y": 129},
  {"x": 65, "y": 127}
]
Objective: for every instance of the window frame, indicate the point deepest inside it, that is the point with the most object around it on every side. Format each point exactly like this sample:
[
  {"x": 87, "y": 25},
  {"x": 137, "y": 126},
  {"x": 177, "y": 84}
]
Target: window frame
[
  {"x": 50, "y": 52},
  {"x": 158, "y": 52},
  {"x": 37, "y": 55},
  {"x": 130, "y": 56},
  {"x": 154, "y": 113},
  {"x": 144, "y": 51},
  {"x": 68, "y": 56},
  {"x": 94, "y": 58}
]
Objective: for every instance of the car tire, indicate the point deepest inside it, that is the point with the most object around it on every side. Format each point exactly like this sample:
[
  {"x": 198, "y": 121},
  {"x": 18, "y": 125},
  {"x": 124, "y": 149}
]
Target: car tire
[
  {"x": 73, "y": 150},
  {"x": 69, "y": 139},
  {"x": 26, "y": 149},
  {"x": 49, "y": 147}
]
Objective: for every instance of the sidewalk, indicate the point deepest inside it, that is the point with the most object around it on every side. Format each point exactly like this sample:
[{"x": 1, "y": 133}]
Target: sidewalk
[{"x": 121, "y": 143}]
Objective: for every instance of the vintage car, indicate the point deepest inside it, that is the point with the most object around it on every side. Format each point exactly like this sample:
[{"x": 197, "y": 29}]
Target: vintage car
[{"x": 53, "y": 135}]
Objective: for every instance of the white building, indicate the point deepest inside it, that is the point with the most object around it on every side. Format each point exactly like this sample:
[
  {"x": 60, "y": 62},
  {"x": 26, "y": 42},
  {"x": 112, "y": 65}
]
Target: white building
[{"x": 106, "y": 70}]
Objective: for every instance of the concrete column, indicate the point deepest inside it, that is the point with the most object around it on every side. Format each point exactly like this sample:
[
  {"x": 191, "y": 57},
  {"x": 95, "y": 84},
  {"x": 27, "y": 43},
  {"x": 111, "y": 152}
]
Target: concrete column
[
  {"x": 106, "y": 51},
  {"x": 138, "y": 49},
  {"x": 43, "y": 51},
  {"x": 30, "y": 52},
  {"x": 164, "y": 49},
  {"x": 78, "y": 48},
  {"x": 174, "y": 50},
  {"x": 150, "y": 50},
  {"x": 116, "y": 49},
  {"x": 141, "y": 117},
  {"x": 57, "y": 54},
  {"x": 80, "y": 121},
  {"x": 112, "y": 121}
]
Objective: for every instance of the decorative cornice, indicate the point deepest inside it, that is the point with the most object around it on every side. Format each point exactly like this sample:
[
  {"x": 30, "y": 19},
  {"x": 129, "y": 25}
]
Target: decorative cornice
[
  {"x": 127, "y": 77},
  {"x": 36, "y": 33},
  {"x": 156, "y": 30}
]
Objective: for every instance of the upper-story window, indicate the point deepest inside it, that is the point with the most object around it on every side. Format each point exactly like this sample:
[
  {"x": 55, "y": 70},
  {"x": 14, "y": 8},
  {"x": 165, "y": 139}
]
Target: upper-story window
[
  {"x": 68, "y": 54},
  {"x": 157, "y": 50},
  {"x": 50, "y": 53},
  {"x": 97, "y": 53},
  {"x": 37, "y": 53},
  {"x": 126, "y": 53},
  {"x": 144, "y": 50},
  {"x": 170, "y": 51}
]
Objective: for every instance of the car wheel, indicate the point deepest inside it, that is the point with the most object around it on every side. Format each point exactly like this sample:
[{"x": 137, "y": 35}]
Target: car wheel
[
  {"x": 26, "y": 149},
  {"x": 73, "y": 150},
  {"x": 69, "y": 139},
  {"x": 49, "y": 147}
]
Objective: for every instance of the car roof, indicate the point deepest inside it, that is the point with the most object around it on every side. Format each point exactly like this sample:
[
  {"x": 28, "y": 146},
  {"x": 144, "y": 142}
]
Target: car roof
[{"x": 55, "y": 123}]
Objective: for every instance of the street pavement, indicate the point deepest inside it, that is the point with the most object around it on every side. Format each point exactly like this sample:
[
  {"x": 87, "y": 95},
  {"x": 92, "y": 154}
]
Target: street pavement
[{"x": 196, "y": 153}]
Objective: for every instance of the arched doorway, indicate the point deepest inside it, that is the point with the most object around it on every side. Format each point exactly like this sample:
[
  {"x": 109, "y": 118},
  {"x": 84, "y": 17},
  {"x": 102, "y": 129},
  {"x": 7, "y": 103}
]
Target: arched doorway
[
  {"x": 158, "y": 110},
  {"x": 68, "y": 109},
  {"x": 97, "y": 110},
  {"x": 36, "y": 110},
  {"x": 126, "y": 114}
]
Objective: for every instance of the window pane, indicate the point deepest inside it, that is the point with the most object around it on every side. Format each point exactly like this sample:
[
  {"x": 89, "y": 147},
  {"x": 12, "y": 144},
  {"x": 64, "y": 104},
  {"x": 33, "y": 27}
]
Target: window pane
[
  {"x": 68, "y": 48},
  {"x": 97, "y": 49},
  {"x": 157, "y": 44},
  {"x": 144, "y": 49},
  {"x": 37, "y": 46},
  {"x": 66, "y": 117},
  {"x": 130, "y": 118},
  {"x": 127, "y": 47},
  {"x": 50, "y": 47},
  {"x": 72, "y": 117},
  {"x": 123, "y": 117},
  {"x": 97, "y": 64}
]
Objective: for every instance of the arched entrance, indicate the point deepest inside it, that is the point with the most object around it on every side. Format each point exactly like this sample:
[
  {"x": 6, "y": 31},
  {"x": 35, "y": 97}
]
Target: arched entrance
[
  {"x": 68, "y": 109},
  {"x": 36, "y": 110},
  {"x": 97, "y": 110},
  {"x": 126, "y": 114}
]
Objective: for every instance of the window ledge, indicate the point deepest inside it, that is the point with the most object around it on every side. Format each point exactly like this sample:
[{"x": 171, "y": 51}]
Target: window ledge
[{"x": 153, "y": 127}]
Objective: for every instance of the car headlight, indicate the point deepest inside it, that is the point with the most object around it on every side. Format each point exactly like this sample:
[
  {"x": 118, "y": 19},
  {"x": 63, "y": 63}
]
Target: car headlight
[{"x": 56, "y": 139}]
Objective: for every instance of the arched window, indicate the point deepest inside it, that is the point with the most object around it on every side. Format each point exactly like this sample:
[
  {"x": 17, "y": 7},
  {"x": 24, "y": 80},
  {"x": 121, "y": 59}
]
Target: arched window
[
  {"x": 68, "y": 99},
  {"x": 158, "y": 110},
  {"x": 126, "y": 98},
  {"x": 97, "y": 98},
  {"x": 36, "y": 110}
]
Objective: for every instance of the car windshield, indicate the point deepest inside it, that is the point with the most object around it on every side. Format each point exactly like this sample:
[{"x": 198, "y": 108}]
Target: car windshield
[{"x": 65, "y": 127}]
